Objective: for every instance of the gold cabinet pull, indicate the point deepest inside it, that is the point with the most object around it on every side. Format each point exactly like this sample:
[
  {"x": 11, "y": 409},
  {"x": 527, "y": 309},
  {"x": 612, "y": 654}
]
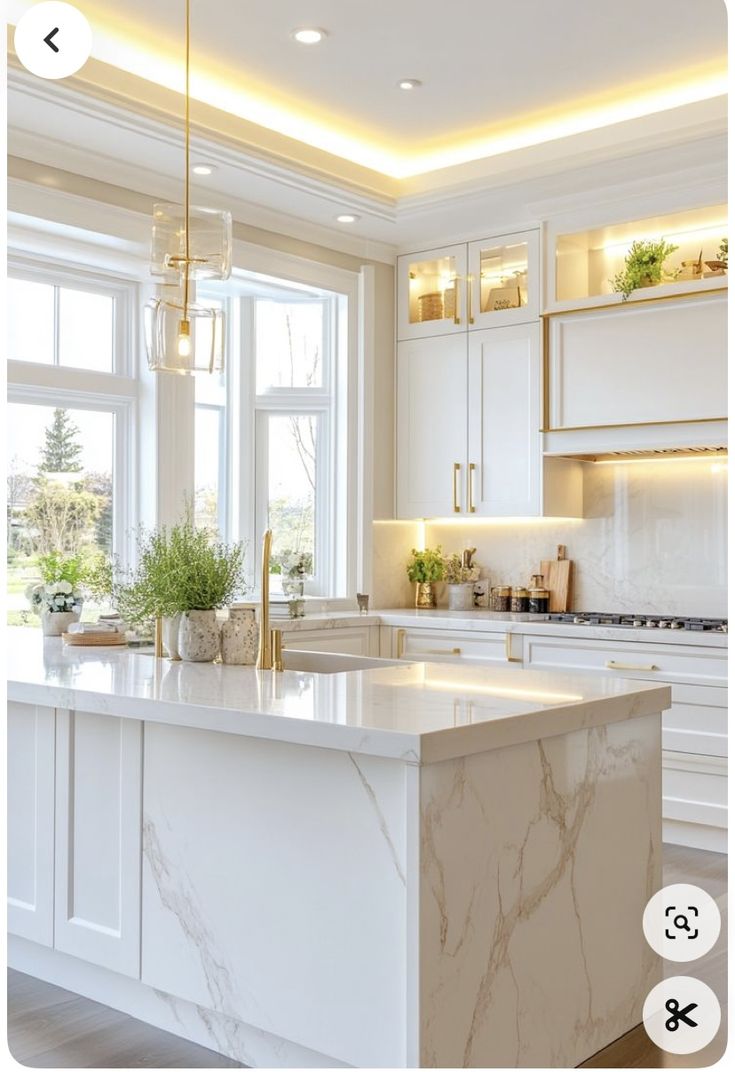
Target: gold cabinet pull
[
  {"x": 441, "y": 651},
  {"x": 400, "y": 643},
  {"x": 509, "y": 656},
  {"x": 613, "y": 664},
  {"x": 470, "y": 488},
  {"x": 457, "y": 317},
  {"x": 470, "y": 317},
  {"x": 456, "y": 468}
]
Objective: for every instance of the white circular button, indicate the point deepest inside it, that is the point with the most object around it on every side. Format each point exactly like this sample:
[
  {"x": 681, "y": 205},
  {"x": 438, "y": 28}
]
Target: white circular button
[
  {"x": 681, "y": 1015},
  {"x": 681, "y": 922},
  {"x": 53, "y": 39}
]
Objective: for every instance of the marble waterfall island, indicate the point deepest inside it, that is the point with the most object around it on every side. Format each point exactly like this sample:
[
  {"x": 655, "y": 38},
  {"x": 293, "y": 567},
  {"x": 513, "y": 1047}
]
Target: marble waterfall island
[{"x": 402, "y": 865}]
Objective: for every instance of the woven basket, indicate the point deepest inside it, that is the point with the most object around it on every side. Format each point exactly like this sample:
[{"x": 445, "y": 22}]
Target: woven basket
[{"x": 431, "y": 306}]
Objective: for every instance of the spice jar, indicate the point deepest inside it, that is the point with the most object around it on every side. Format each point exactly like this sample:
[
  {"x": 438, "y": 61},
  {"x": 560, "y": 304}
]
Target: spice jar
[
  {"x": 519, "y": 600},
  {"x": 538, "y": 596},
  {"x": 500, "y": 598}
]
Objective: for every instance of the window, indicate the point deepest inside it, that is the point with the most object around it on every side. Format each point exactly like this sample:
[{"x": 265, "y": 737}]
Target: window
[
  {"x": 270, "y": 436},
  {"x": 69, "y": 423},
  {"x": 76, "y": 323}
]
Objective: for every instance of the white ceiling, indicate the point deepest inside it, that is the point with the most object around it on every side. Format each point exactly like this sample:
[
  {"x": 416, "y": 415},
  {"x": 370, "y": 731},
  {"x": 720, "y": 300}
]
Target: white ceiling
[{"x": 488, "y": 67}]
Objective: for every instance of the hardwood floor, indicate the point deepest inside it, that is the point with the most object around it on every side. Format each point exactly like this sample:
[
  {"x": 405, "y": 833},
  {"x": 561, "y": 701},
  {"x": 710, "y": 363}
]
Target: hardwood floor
[{"x": 52, "y": 1028}]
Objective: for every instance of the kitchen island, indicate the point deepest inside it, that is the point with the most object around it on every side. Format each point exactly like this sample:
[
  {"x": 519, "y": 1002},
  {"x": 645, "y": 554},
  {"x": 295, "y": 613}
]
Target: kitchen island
[{"x": 345, "y": 864}]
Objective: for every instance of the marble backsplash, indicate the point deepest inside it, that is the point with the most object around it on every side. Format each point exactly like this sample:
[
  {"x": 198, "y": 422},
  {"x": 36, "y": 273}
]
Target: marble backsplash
[{"x": 653, "y": 540}]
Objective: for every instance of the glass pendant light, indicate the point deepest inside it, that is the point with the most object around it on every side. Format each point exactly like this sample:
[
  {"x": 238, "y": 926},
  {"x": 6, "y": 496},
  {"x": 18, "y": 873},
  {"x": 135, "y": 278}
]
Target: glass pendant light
[{"x": 187, "y": 244}]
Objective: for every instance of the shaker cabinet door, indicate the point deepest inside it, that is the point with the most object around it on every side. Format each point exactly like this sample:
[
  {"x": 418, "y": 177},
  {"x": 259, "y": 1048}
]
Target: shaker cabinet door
[
  {"x": 504, "y": 456},
  {"x": 30, "y": 736},
  {"x": 431, "y": 440},
  {"x": 431, "y": 293}
]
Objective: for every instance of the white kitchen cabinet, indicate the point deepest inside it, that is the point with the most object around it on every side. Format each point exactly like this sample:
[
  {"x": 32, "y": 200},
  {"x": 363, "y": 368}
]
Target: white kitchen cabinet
[
  {"x": 454, "y": 645},
  {"x": 357, "y": 640},
  {"x": 98, "y": 839},
  {"x": 504, "y": 467},
  {"x": 30, "y": 828},
  {"x": 503, "y": 280},
  {"x": 431, "y": 406},
  {"x": 695, "y": 800},
  {"x": 431, "y": 293},
  {"x": 636, "y": 364}
]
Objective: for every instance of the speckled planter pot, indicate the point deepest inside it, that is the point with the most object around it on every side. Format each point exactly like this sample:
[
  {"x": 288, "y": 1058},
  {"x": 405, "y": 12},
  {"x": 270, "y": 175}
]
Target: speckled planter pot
[
  {"x": 171, "y": 628},
  {"x": 240, "y": 637},
  {"x": 56, "y": 623},
  {"x": 461, "y": 596},
  {"x": 199, "y": 636}
]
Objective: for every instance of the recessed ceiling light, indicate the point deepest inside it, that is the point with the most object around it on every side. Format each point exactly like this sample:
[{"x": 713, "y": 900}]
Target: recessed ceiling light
[
  {"x": 203, "y": 169},
  {"x": 309, "y": 36},
  {"x": 409, "y": 83},
  {"x": 347, "y": 217}
]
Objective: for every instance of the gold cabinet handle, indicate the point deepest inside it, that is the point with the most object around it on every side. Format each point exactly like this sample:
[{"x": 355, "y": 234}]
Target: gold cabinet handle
[
  {"x": 470, "y": 488},
  {"x": 509, "y": 656},
  {"x": 441, "y": 651},
  {"x": 456, "y": 468},
  {"x": 470, "y": 317},
  {"x": 400, "y": 643},
  {"x": 457, "y": 317},
  {"x": 613, "y": 664}
]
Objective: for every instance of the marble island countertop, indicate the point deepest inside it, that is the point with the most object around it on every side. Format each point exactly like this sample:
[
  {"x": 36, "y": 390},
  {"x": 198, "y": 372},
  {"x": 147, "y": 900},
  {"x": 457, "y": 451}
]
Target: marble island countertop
[{"x": 415, "y": 712}]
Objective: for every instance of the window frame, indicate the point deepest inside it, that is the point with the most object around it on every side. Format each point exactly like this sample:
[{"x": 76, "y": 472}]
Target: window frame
[{"x": 69, "y": 387}]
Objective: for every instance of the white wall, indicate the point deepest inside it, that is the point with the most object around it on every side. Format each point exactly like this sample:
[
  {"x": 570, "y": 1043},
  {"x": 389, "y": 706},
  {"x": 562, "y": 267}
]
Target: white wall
[{"x": 653, "y": 539}]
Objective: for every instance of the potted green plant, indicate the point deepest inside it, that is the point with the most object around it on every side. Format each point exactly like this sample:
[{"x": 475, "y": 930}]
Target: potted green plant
[
  {"x": 59, "y": 598},
  {"x": 460, "y": 582},
  {"x": 643, "y": 266},
  {"x": 424, "y": 569}
]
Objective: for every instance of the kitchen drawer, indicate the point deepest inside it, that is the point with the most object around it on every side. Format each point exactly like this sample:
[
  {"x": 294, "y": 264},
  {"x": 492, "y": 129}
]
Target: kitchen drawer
[
  {"x": 646, "y": 661},
  {"x": 696, "y": 721},
  {"x": 436, "y": 645},
  {"x": 695, "y": 789},
  {"x": 355, "y": 640}
]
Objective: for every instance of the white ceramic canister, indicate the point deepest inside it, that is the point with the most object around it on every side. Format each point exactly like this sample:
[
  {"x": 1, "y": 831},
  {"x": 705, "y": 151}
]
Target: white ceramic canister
[
  {"x": 199, "y": 636},
  {"x": 240, "y": 636},
  {"x": 54, "y": 623},
  {"x": 171, "y": 628}
]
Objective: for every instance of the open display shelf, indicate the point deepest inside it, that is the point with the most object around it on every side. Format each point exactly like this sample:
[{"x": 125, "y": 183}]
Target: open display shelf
[{"x": 587, "y": 261}]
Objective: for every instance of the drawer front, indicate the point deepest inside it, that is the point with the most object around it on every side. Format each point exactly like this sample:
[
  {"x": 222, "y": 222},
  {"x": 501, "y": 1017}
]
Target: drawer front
[
  {"x": 360, "y": 640},
  {"x": 697, "y": 720},
  {"x": 647, "y": 662},
  {"x": 435, "y": 645},
  {"x": 695, "y": 789}
]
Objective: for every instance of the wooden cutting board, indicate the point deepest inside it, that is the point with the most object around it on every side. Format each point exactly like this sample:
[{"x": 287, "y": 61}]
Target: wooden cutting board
[{"x": 557, "y": 576}]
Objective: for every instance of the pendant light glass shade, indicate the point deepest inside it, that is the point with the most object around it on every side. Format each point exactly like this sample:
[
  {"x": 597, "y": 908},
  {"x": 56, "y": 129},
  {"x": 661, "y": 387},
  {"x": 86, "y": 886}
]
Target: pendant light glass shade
[
  {"x": 210, "y": 242},
  {"x": 184, "y": 342}
]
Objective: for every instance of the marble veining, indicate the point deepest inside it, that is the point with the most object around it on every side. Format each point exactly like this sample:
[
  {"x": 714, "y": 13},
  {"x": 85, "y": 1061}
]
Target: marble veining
[
  {"x": 372, "y": 797},
  {"x": 488, "y": 901}
]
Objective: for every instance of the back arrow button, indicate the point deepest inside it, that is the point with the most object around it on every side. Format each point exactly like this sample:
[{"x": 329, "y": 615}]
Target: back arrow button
[{"x": 48, "y": 40}]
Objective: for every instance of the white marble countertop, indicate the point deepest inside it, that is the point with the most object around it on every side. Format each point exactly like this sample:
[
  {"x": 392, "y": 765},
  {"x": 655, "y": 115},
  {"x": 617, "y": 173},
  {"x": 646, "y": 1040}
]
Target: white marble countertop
[
  {"x": 485, "y": 621},
  {"x": 415, "y": 712}
]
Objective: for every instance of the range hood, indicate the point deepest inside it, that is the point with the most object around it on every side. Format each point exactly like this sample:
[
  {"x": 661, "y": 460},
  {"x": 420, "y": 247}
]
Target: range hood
[{"x": 616, "y": 443}]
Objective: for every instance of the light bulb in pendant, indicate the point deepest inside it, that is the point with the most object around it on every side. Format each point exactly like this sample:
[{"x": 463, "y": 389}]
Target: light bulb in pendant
[{"x": 183, "y": 341}]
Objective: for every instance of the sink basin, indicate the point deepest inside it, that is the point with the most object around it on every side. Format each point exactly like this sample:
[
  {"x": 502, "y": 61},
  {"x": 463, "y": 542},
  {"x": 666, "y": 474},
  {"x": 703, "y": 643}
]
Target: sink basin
[{"x": 319, "y": 662}]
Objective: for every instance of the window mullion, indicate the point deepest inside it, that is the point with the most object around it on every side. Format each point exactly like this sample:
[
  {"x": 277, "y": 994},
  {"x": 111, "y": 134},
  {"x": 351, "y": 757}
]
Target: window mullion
[{"x": 57, "y": 326}]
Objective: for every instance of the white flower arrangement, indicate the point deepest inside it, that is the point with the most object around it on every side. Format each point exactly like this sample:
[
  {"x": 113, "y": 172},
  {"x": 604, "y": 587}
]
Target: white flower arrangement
[
  {"x": 59, "y": 597},
  {"x": 296, "y": 564}
]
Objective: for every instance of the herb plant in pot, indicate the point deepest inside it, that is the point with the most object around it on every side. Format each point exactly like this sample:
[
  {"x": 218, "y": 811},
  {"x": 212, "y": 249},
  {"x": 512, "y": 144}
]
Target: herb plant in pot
[
  {"x": 460, "y": 583},
  {"x": 58, "y": 599},
  {"x": 424, "y": 569},
  {"x": 152, "y": 589},
  {"x": 211, "y": 576},
  {"x": 644, "y": 265}
]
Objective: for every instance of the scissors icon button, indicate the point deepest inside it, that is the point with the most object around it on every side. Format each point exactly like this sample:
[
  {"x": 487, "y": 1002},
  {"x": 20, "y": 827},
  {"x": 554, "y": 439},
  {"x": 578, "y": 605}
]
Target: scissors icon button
[{"x": 679, "y": 1015}]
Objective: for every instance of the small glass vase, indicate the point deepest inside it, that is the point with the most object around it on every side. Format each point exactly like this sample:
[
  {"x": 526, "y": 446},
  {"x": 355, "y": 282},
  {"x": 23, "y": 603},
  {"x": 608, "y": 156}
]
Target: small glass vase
[{"x": 425, "y": 597}]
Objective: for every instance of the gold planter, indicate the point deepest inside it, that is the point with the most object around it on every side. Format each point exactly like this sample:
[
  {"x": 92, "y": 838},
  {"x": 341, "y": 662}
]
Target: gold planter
[{"x": 425, "y": 598}]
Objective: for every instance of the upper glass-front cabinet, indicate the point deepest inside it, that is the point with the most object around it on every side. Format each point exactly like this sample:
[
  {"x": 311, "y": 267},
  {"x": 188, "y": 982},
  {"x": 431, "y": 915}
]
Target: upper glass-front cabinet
[
  {"x": 432, "y": 292},
  {"x": 483, "y": 284}
]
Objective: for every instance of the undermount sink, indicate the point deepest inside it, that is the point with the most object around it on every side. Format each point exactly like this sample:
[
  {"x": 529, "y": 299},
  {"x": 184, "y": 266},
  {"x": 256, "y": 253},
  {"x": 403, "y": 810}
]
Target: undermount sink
[{"x": 319, "y": 662}]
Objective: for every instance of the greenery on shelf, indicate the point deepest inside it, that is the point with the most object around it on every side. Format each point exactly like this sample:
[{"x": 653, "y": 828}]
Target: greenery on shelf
[
  {"x": 643, "y": 266},
  {"x": 454, "y": 570},
  {"x": 722, "y": 251},
  {"x": 425, "y": 567},
  {"x": 179, "y": 569}
]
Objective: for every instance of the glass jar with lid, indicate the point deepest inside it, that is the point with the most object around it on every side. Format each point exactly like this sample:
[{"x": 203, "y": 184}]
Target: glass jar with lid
[
  {"x": 538, "y": 596},
  {"x": 519, "y": 600},
  {"x": 500, "y": 598}
]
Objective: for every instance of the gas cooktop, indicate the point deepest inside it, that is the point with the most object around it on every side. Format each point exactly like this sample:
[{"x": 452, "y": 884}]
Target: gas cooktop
[{"x": 643, "y": 621}]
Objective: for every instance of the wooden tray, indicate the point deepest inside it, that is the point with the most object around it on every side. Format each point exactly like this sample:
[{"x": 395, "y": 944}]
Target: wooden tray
[{"x": 95, "y": 640}]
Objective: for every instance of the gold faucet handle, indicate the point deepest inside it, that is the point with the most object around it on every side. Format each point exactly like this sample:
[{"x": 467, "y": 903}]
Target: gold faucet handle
[{"x": 277, "y": 649}]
